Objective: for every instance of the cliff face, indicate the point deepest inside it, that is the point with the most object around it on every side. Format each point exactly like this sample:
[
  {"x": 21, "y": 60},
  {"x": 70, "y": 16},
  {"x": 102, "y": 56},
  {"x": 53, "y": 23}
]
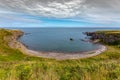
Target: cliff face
[
  {"x": 12, "y": 39},
  {"x": 109, "y": 37}
]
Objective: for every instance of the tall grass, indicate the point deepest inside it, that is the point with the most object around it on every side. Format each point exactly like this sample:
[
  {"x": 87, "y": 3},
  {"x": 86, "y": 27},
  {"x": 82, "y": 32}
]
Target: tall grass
[{"x": 16, "y": 66}]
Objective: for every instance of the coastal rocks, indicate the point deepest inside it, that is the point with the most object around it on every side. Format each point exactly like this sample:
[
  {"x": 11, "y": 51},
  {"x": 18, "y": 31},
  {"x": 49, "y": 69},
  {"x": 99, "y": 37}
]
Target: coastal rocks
[
  {"x": 105, "y": 37},
  {"x": 17, "y": 33},
  {"x": 85, "y": 40},
  {"x": 71, "y": 39},
  {"x": 13, "y": 43},
  {"x": 27, "y": 33}
]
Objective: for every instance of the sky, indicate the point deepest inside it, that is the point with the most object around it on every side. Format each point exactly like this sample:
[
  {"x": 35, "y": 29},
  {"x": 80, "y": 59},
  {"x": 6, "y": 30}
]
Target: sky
[{"x": 59, "y": 13}]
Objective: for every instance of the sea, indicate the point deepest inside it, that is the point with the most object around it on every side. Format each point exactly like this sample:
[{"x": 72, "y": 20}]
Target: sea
[{"x": 58, "y": 39}]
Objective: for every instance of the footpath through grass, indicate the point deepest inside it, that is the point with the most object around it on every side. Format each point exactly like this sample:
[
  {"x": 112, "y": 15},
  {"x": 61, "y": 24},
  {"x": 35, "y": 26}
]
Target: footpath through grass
[{"x": 16, "y": 66}]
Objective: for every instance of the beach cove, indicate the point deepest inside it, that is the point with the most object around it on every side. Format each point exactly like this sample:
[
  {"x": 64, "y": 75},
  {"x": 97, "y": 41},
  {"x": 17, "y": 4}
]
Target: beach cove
[{"x": 14, "y": 43}]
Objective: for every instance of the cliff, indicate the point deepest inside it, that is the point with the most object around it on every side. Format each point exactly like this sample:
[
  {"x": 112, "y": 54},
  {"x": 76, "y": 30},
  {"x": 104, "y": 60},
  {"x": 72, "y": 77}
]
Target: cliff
[{"x": 108, "y": 37}]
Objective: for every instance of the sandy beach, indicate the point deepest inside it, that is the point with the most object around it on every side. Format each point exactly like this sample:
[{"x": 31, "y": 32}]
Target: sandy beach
[{"x": 14, "y": 43}]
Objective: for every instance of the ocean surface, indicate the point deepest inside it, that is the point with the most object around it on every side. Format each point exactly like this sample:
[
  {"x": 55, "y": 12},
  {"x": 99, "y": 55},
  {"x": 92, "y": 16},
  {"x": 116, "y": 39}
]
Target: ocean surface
[{"x": 58, "y": 39}]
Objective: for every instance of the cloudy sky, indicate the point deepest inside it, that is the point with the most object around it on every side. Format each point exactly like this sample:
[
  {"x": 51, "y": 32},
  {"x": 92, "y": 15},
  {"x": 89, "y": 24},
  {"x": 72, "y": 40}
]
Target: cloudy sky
[{"x": 59, "y": 13}]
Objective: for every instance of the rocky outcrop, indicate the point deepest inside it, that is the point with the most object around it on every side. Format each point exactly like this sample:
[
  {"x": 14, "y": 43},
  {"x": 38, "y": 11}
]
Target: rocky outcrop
[
  {"x": 71, "y": 39},
  {"x": 12, "y": 40},
  {"x": 105, "y": 37}
]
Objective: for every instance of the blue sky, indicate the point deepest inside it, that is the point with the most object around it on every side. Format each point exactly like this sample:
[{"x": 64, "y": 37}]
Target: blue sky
[
  {"x": 18, "y": 20},
  {"x": 56, "y": 13}
]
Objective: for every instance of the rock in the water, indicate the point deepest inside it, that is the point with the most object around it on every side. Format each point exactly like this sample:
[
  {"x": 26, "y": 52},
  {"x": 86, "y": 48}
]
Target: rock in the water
[{"x": 71, "y": 39}]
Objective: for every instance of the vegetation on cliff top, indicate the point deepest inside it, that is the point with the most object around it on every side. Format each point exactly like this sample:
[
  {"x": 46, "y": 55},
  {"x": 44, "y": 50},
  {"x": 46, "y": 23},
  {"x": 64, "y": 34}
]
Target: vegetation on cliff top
[{"x": 17, "y": 66}]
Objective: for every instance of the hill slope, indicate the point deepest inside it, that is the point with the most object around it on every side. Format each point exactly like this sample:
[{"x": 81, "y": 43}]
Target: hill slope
[{"x": 14, "y": 65}]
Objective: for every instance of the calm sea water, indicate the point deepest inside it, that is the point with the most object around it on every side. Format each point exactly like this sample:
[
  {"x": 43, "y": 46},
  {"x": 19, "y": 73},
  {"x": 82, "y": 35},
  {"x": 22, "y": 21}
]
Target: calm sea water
[{"x": 58, "y": 39}]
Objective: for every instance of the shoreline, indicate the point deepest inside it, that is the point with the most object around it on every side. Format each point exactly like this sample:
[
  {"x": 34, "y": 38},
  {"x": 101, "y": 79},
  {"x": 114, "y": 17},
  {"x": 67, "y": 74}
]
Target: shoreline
[{"x": 14, "y": 43}]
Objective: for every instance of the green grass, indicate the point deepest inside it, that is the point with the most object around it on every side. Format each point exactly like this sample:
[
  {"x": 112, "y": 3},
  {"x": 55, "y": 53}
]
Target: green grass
[
  {"x": 109, "y": 31},
  {"x": 16, "y": 66}
]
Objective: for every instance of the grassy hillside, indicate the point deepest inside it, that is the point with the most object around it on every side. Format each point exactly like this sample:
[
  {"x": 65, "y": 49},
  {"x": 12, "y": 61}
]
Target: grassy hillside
[{"x": 17, "y": 66}]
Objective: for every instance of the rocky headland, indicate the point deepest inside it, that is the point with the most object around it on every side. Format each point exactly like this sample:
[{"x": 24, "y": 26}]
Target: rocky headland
[{"x": 107, "y": 37}]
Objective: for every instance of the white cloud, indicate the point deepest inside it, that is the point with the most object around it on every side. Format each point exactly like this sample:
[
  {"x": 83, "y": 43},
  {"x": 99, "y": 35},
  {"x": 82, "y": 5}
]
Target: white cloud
[
  {"x": 8, "y": 15},
  {"x": 96, "y": 11},
  {"x": 57, "y": 9}
]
